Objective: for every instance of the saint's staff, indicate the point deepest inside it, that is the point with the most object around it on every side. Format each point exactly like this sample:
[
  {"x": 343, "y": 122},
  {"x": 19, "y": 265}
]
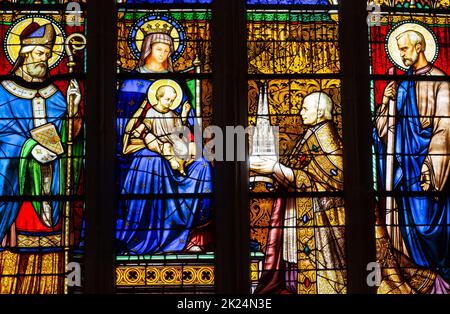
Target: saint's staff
[{"x": 74, "y": 42}]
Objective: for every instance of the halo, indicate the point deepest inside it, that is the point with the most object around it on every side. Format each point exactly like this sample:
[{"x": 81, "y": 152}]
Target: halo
[
  {"x": 151, "y": 94},
  {"x": 12, "y": 39},
  {"x": 137, "y": 35},
  {"x": 431, "y": 49}
]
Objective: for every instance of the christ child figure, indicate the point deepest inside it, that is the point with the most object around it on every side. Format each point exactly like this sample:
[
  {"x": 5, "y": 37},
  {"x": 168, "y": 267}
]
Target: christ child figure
[{"x": 160, "y": 127}]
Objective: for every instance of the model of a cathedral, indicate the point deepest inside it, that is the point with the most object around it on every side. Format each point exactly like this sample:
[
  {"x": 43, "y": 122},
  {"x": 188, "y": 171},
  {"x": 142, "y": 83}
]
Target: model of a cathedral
[{"x": 262, "y": 139}]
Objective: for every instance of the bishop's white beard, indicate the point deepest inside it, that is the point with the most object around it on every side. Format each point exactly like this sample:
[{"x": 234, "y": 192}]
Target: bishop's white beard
[{"x": 35, "y": 69}]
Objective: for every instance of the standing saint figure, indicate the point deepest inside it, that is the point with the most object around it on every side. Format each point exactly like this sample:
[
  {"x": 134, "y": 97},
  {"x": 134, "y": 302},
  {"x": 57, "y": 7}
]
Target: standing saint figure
[
  {"x": 418, "y": 225},
  {"x": 315, "y": 165},
  {"x": 159, "y": 224},
  {"x": 33, "y": 115}
]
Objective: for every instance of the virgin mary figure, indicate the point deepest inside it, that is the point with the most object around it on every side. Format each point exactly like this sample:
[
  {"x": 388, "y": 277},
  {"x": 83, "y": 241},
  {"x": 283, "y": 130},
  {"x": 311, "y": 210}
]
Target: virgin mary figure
[{"x": 158, "y": 219}]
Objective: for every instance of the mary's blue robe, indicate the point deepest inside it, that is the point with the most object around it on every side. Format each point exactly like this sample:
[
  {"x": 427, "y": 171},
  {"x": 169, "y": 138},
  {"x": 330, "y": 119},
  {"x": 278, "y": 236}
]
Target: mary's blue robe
[
  {"x": 157, "y": 219},
  {"x": 425, "y": 218}
]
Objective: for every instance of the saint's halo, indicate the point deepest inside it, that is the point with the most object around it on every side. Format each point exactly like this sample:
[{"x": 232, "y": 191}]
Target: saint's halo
[
  {"x": 431, "y": 49},
  {"x": 165, "y": 82},
  {"x": 151, "y": 22},
  {"x": 12, "y": 39}
]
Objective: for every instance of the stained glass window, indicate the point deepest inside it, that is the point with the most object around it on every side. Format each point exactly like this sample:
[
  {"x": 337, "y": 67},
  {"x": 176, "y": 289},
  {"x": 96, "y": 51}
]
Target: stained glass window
[
  {"x": 42, "y": 133},
  {"x": 165, "y": 1},
  {"x": 409, "y": 4},
  {"x": 45, "y": 2},
  {"x": 411, "y": 115},
  {"x": 42, "y": 1},
  {"x": 305, "y": 2},
  {"x": 296, "y": 153},
  {"x": 164, "y": 217}
]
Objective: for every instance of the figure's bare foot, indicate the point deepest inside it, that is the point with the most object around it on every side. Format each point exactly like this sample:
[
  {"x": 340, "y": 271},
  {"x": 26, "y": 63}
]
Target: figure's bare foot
[{"x": 46, "y": 214}]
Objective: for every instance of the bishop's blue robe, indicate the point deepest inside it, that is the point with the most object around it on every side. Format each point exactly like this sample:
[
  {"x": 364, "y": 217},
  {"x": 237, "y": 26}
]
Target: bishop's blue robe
[{"x": 19, "y": 171}]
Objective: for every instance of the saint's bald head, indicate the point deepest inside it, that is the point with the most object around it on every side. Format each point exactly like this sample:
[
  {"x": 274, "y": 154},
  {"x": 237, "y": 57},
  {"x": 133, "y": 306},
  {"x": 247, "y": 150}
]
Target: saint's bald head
[{"x": 316, "y": 107}]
